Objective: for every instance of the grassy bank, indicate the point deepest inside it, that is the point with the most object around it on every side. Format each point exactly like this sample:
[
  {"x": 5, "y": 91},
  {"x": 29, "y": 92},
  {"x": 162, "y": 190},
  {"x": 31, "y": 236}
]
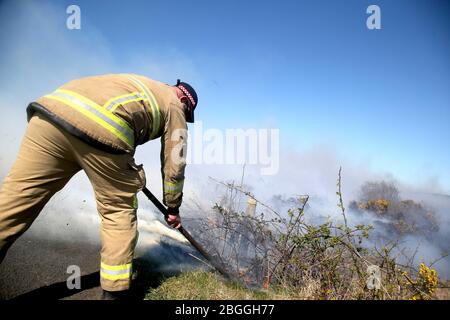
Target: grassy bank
[
  {"x": 199, "y": 285},
  {"x": 202, "y": 285}
]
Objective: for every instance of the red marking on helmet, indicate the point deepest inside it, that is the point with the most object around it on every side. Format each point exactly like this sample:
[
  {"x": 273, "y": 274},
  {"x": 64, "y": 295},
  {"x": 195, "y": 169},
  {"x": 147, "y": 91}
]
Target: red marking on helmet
[{"x": 187, "y": 94}]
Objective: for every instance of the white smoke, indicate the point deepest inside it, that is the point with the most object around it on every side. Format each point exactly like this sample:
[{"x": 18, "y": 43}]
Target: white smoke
[{"x": 39, "y": 54}]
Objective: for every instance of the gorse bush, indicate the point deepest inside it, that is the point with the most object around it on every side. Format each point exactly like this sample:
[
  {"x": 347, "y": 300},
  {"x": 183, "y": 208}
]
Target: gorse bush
[
  {"x": 399, "y": 216},
  {"x": 426, "y": 283}
]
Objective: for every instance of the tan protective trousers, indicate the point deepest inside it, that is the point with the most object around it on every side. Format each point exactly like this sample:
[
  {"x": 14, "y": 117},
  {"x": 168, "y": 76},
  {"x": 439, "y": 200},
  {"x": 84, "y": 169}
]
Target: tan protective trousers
[{"x": 47, "y": 159}]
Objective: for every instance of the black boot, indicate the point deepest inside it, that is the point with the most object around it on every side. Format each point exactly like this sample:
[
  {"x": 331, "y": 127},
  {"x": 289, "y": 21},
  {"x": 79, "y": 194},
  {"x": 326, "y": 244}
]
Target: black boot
[{"x": 116, "y": 295}]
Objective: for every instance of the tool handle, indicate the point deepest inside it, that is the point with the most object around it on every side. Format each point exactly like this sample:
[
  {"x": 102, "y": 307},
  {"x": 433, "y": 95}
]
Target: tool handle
[
  {"x": 183, "y": 231},
  {"x": 155, "y": 201}
]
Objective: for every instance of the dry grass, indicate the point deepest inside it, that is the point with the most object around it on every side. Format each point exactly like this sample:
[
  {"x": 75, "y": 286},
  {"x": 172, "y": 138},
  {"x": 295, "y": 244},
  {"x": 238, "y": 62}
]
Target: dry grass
[
  {"x": 202, "y": 285},
  {"x": 443, "y": 291}
]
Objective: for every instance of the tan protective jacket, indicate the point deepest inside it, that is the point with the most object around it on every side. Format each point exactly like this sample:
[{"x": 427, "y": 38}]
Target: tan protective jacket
[{"x": 118, "y": 112}]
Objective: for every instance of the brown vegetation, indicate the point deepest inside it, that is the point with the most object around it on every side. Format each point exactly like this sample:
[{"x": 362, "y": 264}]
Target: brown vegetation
[{"x": 331, "y": 260}]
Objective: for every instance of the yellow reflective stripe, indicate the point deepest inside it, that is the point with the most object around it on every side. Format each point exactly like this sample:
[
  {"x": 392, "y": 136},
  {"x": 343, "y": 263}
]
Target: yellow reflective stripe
[
  {"x": 115, "y": 277},
  {"x": 127, "y": 139},
  {"x": 117, "y": 272},
  {"x": 97, "y": 107},
  {"x": 150, "y": 98},
  {"x": 118, "y": 267},
  {"x": 173, "y": 187},
  {"x": 135, "y": 202},
  {"x": 125, "y": 102},
  {"x": 113, "y": 103},
  {"x": 90, "y": 110}
]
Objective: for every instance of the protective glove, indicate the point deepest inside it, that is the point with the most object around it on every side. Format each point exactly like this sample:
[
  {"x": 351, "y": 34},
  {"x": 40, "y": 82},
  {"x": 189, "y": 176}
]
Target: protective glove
[{"x": 173, "y": 218}]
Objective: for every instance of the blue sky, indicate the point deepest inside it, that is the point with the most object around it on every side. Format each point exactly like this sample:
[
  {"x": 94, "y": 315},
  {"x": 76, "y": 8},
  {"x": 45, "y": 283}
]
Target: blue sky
[{"x": 310, "y": 68}]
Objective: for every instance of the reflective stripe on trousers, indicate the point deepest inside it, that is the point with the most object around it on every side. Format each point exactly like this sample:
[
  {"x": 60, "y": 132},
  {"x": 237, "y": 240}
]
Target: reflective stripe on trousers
[{"x": 118, "y": 272}]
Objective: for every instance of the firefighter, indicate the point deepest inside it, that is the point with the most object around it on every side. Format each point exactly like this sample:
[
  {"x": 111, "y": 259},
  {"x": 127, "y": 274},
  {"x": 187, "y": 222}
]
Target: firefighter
[{"x": 95, "y": 124}]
